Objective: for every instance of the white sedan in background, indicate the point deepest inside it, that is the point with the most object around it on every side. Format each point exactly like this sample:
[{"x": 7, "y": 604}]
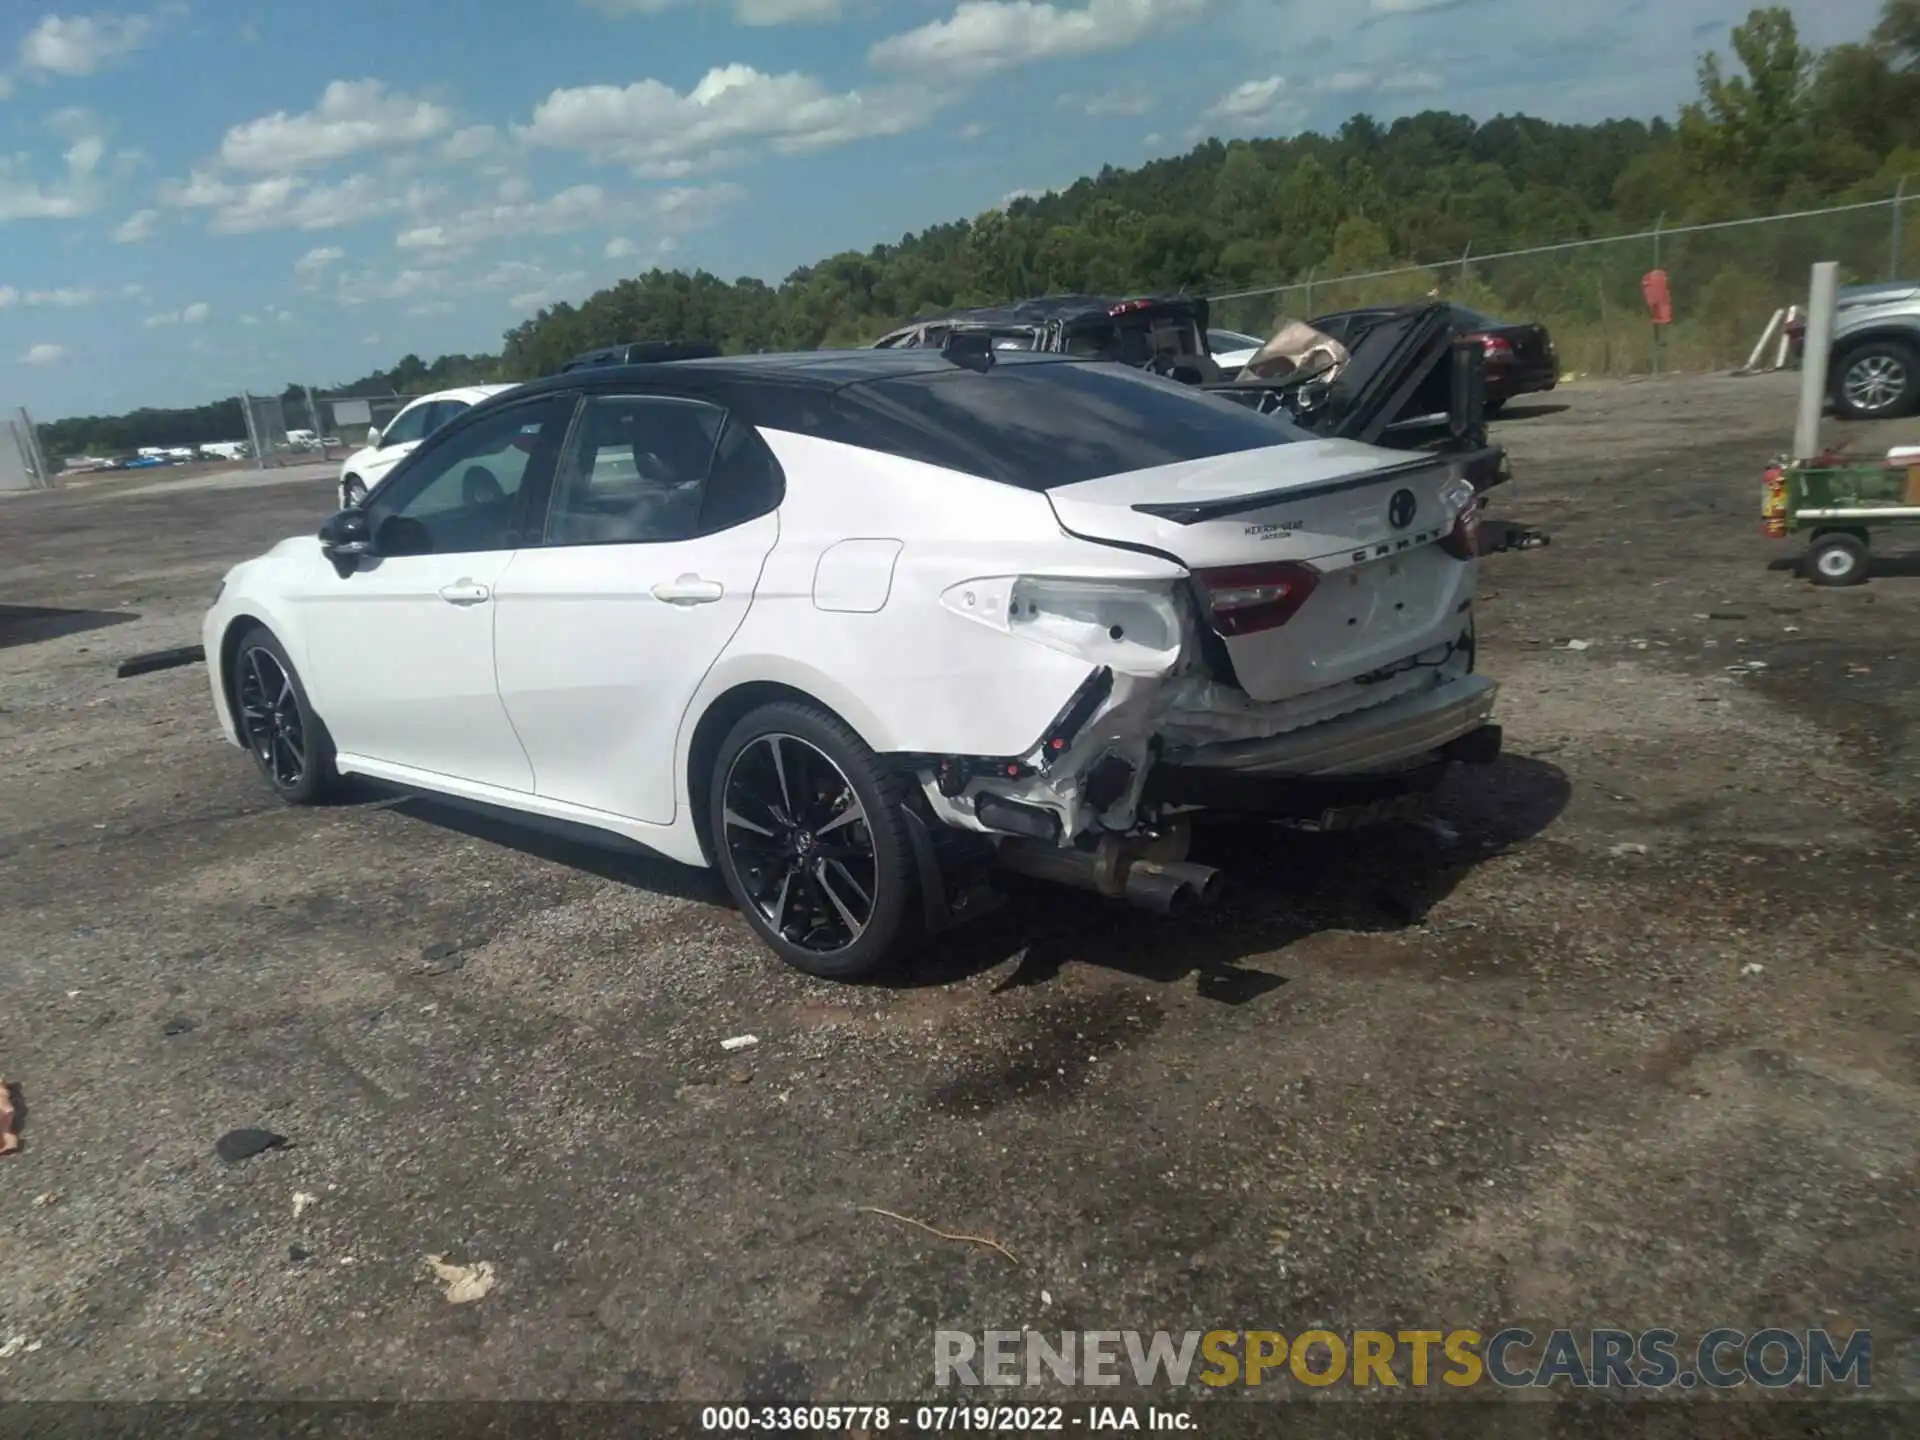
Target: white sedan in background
[
  {"x": 386, "y": 448},
  {"x": 855, "y": 627}
]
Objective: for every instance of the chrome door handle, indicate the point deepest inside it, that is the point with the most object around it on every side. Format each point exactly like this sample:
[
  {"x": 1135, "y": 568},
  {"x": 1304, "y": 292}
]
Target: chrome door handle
[
  {"x": 689, "y": 590},
  {"x": 464, "y": 592}
]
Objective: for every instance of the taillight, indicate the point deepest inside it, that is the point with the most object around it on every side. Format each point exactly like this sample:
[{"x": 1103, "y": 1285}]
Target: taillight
[
  {"x": 1494, "y": 347},
  {"x": 1127, "y": 307},
  {"x": 1245, "y": 599},
  {"x": 1463, "y": 540}
]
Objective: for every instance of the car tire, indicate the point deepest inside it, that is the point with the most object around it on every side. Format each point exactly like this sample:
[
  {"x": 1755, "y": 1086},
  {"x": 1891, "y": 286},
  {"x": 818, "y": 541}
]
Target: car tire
[
  {"x": 1877, "y": 380},
  {"x": 353, "y": 492},
  {"x": 1493, "y": 408},
  {"x": 289, "y": 744},
  {"x": 787, "y": 778}
]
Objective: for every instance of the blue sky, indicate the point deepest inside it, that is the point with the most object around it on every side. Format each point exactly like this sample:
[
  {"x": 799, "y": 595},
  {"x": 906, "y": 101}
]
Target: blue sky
[{"x": 203, "y": 196}]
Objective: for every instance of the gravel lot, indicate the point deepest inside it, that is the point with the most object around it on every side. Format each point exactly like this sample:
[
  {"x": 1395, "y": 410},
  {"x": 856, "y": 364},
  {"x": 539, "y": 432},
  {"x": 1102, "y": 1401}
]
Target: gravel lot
[{"x": 1637, "y": 1048}]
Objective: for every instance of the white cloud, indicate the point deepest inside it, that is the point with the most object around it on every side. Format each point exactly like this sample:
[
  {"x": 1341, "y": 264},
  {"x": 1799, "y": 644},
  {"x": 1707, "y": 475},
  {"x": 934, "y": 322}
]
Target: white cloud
[
  {"x": 747, "y": 12},
  {"x": 1113, "y": 103},
  {"x": 1254, "y": 106},
  {"x": 353, "y": 116},
  {"x": 78, "y": 192},
  {"x": 81, "y": 44},
  {"x": 43, "y": 354},
  {"x": 136, "y": 227},
  {"x": 64, "y": 299},
  {"x": 662, "y": 133},
  {"x": 311, "y": 264},
  {"x": 988, "y": 35},
  {"x": 193, "y": 314},
  {"x": 288, "y": 202},
  {"x": 1413, "y": 82},
  {"x": 85, "y": 154},
  {"x": 475, "y": 142},
  {"x": 442, "y": 239},
  {"x": 620, "y": 248},
  {"x": 1344, "y": 82},
  {"x": 785, "y": 12},
  {"x": 390, "y": 285},
  {"x": 1354, "y": 82},
  {"x": 23, "y": 198},
  {"x": 547, "y": 291}
]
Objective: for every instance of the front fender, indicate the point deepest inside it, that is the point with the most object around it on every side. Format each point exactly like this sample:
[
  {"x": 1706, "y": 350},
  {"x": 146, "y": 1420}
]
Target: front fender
[{"x": 246, "y": 599}]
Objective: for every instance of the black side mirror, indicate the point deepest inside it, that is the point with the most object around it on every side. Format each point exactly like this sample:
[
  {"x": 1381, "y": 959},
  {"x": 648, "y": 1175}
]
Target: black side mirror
[{"x": 346, "y": 535}]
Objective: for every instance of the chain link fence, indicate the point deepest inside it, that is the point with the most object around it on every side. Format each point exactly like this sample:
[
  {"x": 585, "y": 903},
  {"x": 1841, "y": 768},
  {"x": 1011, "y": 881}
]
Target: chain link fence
[
  {"x": 267, "y": 436},
  {"x": 1726, "y": 280},
  {"x": 344, "y": 420}
]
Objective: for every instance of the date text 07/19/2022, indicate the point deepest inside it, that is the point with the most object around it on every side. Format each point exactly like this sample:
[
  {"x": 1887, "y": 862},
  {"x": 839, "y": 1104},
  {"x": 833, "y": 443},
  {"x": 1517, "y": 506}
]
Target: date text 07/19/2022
[{"x": 910, "y": 1419}]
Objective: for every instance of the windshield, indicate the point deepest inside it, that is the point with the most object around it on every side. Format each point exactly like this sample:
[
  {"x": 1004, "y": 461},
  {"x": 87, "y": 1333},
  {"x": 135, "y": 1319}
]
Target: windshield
[{"x": 1042, "y": 424}]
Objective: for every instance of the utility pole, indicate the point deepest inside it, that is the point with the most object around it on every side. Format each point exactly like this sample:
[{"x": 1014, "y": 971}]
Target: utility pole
[
  {"x": 1813, "y": 370},
  {"x": 1899, "y": 201},
  {"x": 1657, "y": 224}
]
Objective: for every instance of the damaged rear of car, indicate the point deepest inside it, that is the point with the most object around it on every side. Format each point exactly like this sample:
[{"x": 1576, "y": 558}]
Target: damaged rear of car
[{"x": 1264, "y": 620}]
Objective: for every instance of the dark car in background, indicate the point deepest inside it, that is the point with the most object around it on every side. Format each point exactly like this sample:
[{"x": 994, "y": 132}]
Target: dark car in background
[
  {"x": 1516, "y": 359},
  {"x": 1410, "y": 382},
  {"x": 1167, "y": 333}
]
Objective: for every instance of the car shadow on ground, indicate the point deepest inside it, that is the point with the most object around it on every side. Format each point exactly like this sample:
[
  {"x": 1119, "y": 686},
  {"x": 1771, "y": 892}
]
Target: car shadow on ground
[
  {"x": 30, "y": 624},
  {"x": 1535, "y": 411},
  {"x": 1283, "y": 885},
  {"x": 577, "y": 847}
]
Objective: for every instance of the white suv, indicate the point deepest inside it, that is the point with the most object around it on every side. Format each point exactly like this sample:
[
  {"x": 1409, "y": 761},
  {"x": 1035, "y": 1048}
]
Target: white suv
[{"x": 368, "y": 466}]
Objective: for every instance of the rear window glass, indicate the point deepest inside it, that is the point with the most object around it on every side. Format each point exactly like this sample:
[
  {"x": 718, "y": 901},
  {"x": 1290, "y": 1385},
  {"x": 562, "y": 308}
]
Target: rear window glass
[{"x": 1043, "y": 424}]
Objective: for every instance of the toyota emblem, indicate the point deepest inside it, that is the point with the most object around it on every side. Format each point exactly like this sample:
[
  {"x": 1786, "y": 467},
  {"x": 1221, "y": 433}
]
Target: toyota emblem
[{"x": 1400, "y": 509}]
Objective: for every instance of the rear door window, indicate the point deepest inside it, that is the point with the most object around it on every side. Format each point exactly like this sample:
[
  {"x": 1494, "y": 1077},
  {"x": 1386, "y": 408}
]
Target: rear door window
[
  {"x": 635, "y": 472},
  {"x": 1040, "y": 424}
]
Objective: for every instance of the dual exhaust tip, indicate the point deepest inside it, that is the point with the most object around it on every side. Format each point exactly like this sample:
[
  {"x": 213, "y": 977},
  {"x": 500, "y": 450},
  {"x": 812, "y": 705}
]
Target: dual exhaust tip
[
  {"x": 1172, "y": 888},
  {"x": 1164, "y": 887}
]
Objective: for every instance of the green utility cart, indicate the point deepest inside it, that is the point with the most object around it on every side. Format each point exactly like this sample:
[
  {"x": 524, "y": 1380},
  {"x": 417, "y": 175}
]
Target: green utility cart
[{"x": 1840, "y": 504}]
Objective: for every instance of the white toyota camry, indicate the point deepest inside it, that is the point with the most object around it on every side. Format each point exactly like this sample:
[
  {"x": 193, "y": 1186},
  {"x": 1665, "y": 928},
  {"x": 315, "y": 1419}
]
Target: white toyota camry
[
  {"x": 858, "y": 627},
  {"x": 386, "y": 448}
]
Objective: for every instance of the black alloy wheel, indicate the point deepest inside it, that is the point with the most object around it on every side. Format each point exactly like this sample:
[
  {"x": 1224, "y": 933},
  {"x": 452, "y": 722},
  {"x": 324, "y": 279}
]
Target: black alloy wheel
[
  {"x": 287, "y": 740},
  {"x": 811, "y": 841}
]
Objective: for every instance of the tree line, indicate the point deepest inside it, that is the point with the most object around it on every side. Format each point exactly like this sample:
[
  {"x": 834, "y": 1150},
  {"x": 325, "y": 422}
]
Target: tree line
[{"x": 1775, "y": 126}]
